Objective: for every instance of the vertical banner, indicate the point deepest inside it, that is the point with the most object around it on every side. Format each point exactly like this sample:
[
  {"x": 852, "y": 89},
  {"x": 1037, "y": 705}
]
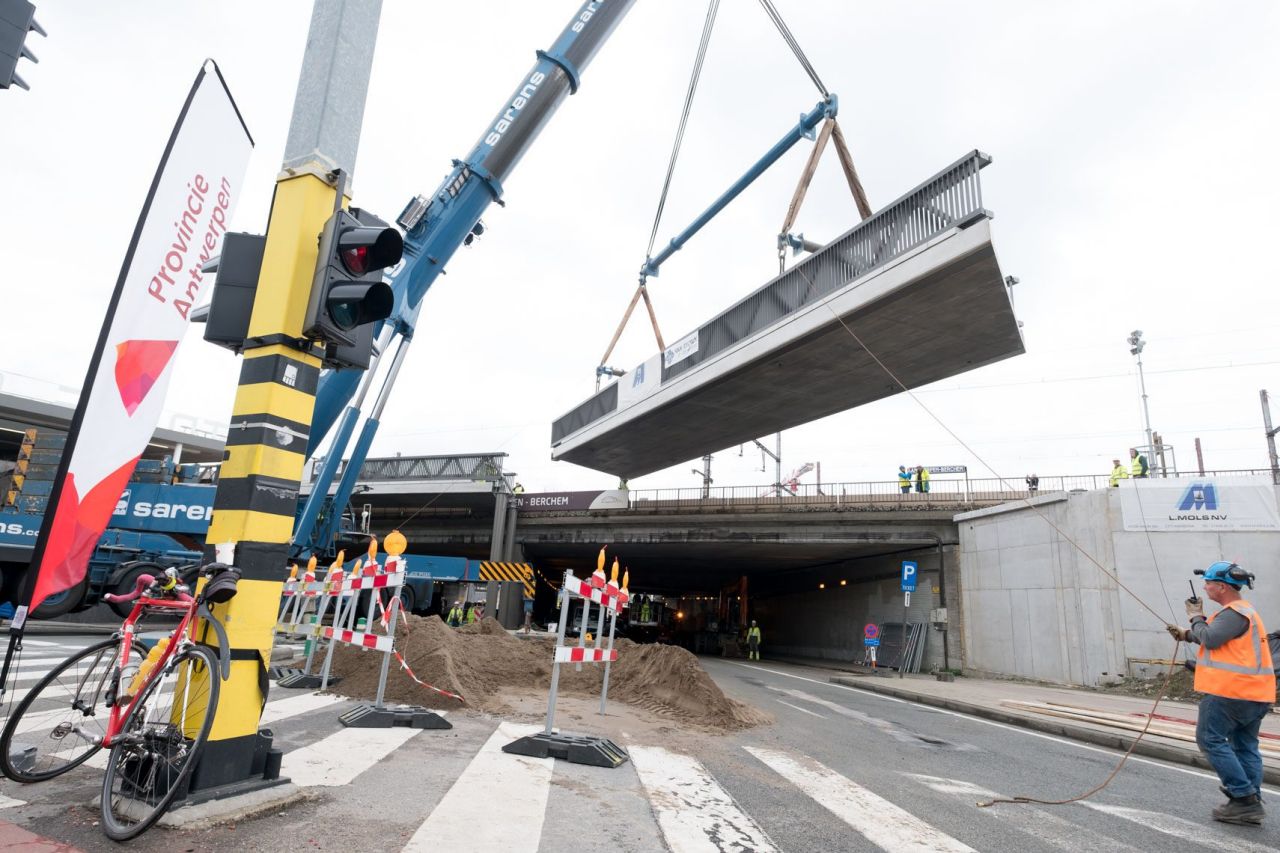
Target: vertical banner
[{"x": 188, "y": 207}]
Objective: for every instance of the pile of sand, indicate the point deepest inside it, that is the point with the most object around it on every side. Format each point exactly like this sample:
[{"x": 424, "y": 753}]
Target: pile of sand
[{"x": 481, "y": 661}]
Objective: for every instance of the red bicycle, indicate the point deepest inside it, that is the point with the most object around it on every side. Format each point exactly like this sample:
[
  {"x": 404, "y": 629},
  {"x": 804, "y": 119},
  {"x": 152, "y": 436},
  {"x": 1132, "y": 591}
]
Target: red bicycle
[{"x": 153, "y": 711}]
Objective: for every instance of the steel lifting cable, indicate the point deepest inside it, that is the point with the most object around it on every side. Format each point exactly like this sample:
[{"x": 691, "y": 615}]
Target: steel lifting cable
[
  {"x": 790, "y": 39},
  {"x": 1143, "y": 604},
  {"x": 642, "y": 291},
  {"x": 707, "y": 25}
]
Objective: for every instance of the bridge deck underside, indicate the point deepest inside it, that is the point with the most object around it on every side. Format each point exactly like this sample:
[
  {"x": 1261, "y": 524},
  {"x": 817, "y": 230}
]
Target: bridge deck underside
[
  {"x": 669, "y": 569},
  {"x": 951, "y": 317}
]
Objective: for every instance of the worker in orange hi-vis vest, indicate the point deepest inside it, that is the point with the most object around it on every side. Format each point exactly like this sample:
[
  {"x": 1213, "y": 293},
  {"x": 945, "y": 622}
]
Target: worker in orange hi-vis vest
[{"x": 1235, "y": 673}]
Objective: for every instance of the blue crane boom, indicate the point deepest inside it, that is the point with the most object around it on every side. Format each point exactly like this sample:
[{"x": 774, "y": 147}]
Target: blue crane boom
[
  {"x": 435, "y": 227},
  {"x": 804, "y": 129}
]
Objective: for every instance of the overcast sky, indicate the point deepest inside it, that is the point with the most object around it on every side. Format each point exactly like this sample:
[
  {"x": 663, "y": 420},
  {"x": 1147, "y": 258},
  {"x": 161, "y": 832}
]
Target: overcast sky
[{"x": 1134, "y": 186}]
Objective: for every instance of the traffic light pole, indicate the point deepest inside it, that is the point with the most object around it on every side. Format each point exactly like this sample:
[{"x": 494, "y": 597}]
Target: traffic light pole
[{"x": 271, "y": 418}]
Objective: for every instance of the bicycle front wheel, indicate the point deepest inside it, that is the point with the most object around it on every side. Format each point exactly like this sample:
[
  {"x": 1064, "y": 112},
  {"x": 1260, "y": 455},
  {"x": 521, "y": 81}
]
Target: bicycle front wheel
[
  {"x": 159, "y": 743},
  {"x": 61, "y": 721}
]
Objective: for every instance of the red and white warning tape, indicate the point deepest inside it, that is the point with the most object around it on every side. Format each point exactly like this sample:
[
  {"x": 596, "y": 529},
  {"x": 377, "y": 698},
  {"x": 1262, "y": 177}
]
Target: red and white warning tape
[{"x": 405, "y": 666}]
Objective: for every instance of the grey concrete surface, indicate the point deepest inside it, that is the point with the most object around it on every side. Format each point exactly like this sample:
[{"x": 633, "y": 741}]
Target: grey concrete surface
[{"x": 1035, "y": 603}]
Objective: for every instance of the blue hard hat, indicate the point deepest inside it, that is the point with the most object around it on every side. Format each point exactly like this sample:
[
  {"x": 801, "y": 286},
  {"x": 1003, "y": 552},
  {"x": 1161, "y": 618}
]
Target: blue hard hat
[{"x": 1227, "y": 572}]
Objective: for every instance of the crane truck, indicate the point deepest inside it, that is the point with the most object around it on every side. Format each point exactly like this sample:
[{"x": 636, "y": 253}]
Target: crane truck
[{"x": 435, "y": 228}]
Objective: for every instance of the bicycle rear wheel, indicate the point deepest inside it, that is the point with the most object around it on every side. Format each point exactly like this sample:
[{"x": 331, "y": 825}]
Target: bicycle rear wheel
[
  {"x": 61, "y": 721},
  {"x": 159, "y": 743}
]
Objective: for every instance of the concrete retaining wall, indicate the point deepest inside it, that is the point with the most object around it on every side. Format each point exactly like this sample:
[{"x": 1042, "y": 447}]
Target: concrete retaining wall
[{"x": 1035, "y": 605}]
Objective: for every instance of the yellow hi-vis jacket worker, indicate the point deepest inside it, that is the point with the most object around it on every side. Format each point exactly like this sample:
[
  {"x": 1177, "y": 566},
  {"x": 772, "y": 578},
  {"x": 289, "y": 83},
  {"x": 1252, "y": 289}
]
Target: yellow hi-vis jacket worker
[
  {"x": 1118, "y": 473},
  {"x": 1138, "y": 463}
]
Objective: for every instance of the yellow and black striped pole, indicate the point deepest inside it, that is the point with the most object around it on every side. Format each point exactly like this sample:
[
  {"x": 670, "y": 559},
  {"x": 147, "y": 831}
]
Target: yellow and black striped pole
[
  {"x": 270, "y": 425},
  {"x": 258, "y": 485}
]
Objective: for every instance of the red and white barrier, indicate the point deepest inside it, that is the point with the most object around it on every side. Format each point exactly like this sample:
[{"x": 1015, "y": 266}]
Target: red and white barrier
[
  {"x": 573, "y": 654},
  {"x": 611, "y": 598}
]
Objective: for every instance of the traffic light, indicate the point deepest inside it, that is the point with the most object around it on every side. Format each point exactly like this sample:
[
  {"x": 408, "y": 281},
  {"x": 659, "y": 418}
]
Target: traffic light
[
  {"x": 17, "y": 18},
  {"x": 227, "y": 315},
  {"x": 348, "y": 291}
]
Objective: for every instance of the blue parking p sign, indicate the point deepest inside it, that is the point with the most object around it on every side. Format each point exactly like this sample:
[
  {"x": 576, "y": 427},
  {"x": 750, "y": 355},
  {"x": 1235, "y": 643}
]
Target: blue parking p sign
[{"x": 909, "y": 569}]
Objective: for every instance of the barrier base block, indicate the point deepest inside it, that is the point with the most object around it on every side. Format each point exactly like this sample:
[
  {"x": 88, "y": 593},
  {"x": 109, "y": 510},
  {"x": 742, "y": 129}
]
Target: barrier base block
[
  {"x": 233, "y": 789},
  {"x": 576, "y": 749},
  {"x": 292, "y": 678},
  {"x": 385, "y": 717}
]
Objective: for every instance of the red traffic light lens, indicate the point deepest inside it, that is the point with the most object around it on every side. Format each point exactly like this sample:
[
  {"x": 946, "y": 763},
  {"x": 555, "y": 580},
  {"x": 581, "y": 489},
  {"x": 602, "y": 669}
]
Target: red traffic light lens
[
  {"x": 364, "y": 250},
  {"x": 356, "y": 259}
]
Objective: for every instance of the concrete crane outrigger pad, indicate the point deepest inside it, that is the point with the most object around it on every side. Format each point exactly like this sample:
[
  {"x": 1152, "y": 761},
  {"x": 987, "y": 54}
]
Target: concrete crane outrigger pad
[{"x": 918, "y": 284}]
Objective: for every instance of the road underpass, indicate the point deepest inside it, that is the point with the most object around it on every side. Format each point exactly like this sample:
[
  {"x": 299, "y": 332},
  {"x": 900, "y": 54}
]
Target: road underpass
[{"x": 813, "y": 573}]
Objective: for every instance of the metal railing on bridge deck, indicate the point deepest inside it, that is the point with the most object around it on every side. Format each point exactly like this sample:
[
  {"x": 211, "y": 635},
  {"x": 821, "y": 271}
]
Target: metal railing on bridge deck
[
  {"x": 476, "y": 466},
  {"x": 887, "y": 494}
]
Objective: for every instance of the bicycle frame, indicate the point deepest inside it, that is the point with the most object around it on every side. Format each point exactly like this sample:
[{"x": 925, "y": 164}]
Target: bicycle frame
[{"x": 115, "y": 720}]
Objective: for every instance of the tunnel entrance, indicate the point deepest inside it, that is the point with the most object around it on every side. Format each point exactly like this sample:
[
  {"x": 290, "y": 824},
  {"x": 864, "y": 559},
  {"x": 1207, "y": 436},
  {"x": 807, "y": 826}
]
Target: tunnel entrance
[{"x": 811, "y": 599}]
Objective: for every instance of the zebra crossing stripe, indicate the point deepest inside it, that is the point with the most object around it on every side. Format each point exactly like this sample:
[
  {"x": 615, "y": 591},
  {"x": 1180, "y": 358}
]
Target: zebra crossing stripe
[
  {"x": 277, "y": 710},
  {"x": 342, "y": 756},
  {"x": 281, "y": 709},
  {"x": 694, "y": 813},
  {"x": 885, "y": 825},
  {"x": 494, "y": 782},
  {"x": 1041, "y": 824},
  {"x": 1203, "y": 831}
]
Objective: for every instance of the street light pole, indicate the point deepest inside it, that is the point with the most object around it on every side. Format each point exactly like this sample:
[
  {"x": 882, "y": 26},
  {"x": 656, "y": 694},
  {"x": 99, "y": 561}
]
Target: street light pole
[{"x": 1136, "y": 345}]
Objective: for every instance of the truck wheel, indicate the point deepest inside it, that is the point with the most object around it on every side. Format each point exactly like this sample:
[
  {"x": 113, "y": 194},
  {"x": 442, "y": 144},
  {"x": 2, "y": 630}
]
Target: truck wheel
[
  {"x": 62, "y": 603},
  {"x": 125, "y": 583},
  {"x": 408, "y": 599}
]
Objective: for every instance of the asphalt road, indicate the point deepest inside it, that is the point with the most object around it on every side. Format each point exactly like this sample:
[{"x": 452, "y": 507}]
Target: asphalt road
[
  {"x": 838, "y": 770},
  {"x": 936, "y": 765}
]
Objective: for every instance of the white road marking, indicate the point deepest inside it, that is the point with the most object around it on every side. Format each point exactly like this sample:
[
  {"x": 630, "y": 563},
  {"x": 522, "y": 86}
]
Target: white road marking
[
  {"x": 342, "y": 756},
  {"x": 276, "y": 710},
  {"x": 1036, "y": 822},
  {"x": 694, "y": 813},
  {"x": 802, "y": 710},
  {"x": 1019, "y": 729},
  {"x": 29, "y": 642},
  {"x": 48, "y": 719},
  {"x": 494, "y": 783},
  {"x": 880, "y": 821},
  {"x": 53, "y": 691},
  {"x": 44, "y": 664},
  {"x": 291, "y": 706},
  {"x": 9, "y": 802},
  {"x": 1202, "y": 831}
]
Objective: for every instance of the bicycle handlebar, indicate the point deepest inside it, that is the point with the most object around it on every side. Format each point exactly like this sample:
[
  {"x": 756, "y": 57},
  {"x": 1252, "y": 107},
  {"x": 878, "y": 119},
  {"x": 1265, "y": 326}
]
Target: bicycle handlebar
[
  {"x": 143, "y": 582},
  {"x": 224, "y": 652}
]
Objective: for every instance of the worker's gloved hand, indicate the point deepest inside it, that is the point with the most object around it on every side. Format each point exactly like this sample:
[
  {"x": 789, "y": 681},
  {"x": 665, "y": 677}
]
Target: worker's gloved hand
[
  {"x": 1195, "y": 607},
  {"x": 1176, "y": 632}
]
